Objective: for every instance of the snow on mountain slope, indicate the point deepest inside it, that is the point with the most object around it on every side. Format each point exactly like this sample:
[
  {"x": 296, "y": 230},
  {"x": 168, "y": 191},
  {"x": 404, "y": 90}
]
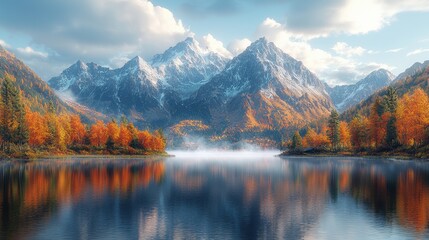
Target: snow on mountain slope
[
  {"x": 186, "y": 66},
  {"x": 262, "y": 88},
  {"x": 115, "y": 92},
  {"x": 348, "y": 95}
]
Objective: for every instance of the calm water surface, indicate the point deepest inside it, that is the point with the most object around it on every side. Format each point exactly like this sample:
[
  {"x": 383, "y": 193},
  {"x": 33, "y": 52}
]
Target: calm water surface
[{"x": 215, "y": 196}]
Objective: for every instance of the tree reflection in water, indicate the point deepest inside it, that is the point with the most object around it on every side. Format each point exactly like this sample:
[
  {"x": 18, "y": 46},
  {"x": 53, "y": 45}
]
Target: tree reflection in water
[{"x": 263, "y": 198}]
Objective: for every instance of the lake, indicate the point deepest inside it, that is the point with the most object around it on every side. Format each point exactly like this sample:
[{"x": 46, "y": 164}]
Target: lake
[{"x": 215, "y": 195}]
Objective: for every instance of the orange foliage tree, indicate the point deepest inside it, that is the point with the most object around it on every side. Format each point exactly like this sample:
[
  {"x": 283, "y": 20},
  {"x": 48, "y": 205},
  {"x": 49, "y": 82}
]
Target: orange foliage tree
[
  {"x": 98, "y": 134},
  {"x": 315, "y": 140},
  {"x": 377, "y": 123},
  {"x": 78, "y": 130},
  {"x": 413, "y": 118},
  {"x": 344, "y": 135},
  {"x": 37, "y": 128},
  {"x": 125, "y": 136},
  {"x": 359, "y": 132}
]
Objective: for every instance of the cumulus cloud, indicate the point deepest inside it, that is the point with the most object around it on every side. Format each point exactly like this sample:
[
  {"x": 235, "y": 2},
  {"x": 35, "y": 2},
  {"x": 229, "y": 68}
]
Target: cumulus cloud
[
  {"x": 344, "y": 49},
  {"x": 94, "y": 30},
  {"x": 315, "y": 18},
  {"x": 335, "y": 70},
  {"x": 238, "y": 46},
  {"x": 215, "y": 45},
  {"x": 4, "y": 44},
  {"x": 30, "y": 52},
  {"x": 418, "y": 51}
]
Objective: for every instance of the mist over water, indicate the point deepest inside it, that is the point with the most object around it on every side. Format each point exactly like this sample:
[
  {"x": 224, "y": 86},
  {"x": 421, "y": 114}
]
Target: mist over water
[{"x": 224, "y": 155}]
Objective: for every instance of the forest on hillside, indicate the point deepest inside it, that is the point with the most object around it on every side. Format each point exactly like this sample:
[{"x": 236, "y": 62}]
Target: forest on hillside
[
  {"x": 25, "y": 133},
  {"x": 395, "y": 125}
]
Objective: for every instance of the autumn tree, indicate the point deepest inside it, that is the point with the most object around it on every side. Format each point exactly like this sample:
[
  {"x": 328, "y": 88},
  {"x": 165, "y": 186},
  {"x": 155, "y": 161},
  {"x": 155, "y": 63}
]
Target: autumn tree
[
  {"x": 113, "y": 130},
  {"x": 359, "y": 132},
  {"x": 334, "y": 129},
  {"x": 98, "y": 134},
  {"x": 125, "y": 136},
  {"x": 315, "y": 140},
  {"x": 78, "y": 130},
  {"x": 413, "y": 118},
  {"x": 378, "y": 123},
  {"x": 144, "y": 139},
  {"x": 37, "y": 127},
  {"x": 344, "y": 135}
]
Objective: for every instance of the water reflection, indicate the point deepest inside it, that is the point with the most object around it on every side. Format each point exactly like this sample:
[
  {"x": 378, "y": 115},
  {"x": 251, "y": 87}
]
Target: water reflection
[{"x": 182, "y": 198}]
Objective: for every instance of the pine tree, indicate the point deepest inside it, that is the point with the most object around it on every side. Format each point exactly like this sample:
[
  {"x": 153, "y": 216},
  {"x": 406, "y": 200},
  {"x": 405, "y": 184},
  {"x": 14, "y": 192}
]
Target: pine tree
[
  {"x": 333, "y": 131},
  {"x": 391, "y": 105},
  {"x": 13, "y": 128},
  {"x": 110, "y": 144},
  {"x": 7, "y": 121},
  {"x": 296, "y": 144}
]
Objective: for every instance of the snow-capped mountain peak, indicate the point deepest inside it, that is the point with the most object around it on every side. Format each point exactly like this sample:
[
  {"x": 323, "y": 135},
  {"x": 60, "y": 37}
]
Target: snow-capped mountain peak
[{"x": 186, "y": 66}]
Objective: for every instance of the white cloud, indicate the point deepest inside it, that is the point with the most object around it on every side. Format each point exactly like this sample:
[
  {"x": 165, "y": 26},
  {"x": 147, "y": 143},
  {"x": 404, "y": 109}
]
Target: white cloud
[
  {"x": 238, "y": 46},
  {"x": 418, "y": 51},
  {"x": 215, "y": 45},
  {"x": 321, "y": 18},
  {"x": 395, "y": 50},
  {"x": 344, "y": 49},
  {"x": 30, "y": 52},
  {"x": 4, "y": 44},
  {"x": 96, "y": 30},
  {"x": 335, "y": 70}
]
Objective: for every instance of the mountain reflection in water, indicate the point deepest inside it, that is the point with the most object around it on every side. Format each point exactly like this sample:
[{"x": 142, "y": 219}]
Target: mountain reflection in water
[{"x": 215, "y": 198}]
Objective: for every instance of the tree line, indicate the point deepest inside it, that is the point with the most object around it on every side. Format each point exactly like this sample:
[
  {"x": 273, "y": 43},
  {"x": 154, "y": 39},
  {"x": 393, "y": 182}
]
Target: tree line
[
  {"x": 25, "y": 131},
  {"x": 394, "y": 123}
]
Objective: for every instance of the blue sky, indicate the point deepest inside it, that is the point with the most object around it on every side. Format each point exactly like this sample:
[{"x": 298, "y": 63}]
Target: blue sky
[{"x": 340, "y": 40}]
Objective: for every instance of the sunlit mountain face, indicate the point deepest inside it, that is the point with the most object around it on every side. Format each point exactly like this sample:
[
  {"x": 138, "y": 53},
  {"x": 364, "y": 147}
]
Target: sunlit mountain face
[
  {"x": 262, "y": 89},
  {"x": 214, "y": 197}
]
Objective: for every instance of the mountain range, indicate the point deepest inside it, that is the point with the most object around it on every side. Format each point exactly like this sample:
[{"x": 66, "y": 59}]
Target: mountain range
[
  {"x": 346, "y": 96},
  {"x": 416, "y": 76},
  {"x": 261, "y": 90}
]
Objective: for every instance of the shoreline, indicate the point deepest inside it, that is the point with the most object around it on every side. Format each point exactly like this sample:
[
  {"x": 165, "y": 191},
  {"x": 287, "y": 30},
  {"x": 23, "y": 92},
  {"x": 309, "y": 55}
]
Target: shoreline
[
  {"x": 394, "y": 156},
  {"x": 91, "y": 156}
]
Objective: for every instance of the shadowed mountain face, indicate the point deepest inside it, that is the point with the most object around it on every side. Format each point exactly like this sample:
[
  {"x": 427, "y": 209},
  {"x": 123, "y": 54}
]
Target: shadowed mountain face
[
  {"x": 349, "y": 95},
  {"x": 261, "y": 89},
  {"x": 36, "y": 93}
]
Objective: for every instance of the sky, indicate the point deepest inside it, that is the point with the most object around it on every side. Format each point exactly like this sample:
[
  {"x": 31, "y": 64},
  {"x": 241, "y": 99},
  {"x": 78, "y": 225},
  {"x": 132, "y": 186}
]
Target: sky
[{"x": 341, "y": 41}]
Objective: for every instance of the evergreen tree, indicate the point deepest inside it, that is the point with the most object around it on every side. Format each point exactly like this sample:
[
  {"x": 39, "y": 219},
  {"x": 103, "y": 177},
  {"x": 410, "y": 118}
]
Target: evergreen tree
[
  {"x": 390, "y": 100},
  {"x": 334, "y": 129},
  {"x": 124, "y": 120},
  {"x": 391, "y": 133},
  {"x": 110, "y": 144},
  {"x": 8, "y": 118},
  {"x": 391, "y": 105},
  {"x": 13, "y": 128},
  {"x": 22, "y": 134},
  {"x": 296, "y": 144}
]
